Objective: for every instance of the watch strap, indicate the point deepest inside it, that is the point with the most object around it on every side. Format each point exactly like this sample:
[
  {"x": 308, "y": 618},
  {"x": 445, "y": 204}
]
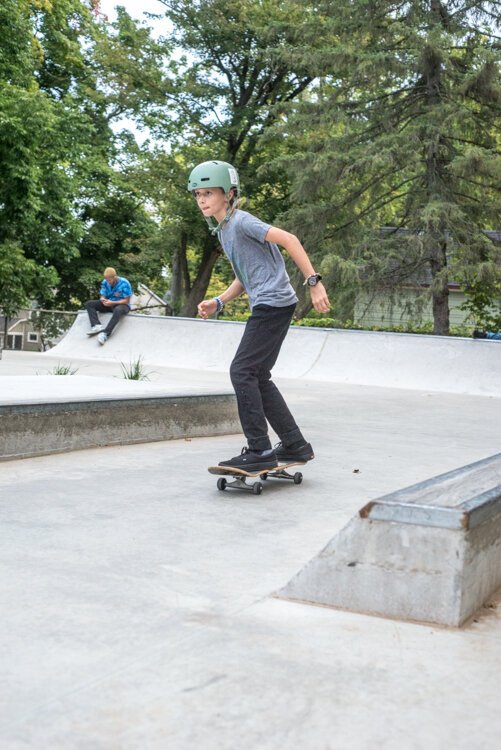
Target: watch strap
[{"x": 316, "y": 276}]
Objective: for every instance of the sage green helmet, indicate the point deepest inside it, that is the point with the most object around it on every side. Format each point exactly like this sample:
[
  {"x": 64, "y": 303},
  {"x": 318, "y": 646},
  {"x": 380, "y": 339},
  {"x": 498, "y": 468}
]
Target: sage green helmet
[{"x": 211, "y": 174}]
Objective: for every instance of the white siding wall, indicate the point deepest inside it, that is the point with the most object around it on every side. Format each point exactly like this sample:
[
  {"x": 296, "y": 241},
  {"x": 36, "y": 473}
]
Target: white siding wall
[{"x": 378, "y": 310}]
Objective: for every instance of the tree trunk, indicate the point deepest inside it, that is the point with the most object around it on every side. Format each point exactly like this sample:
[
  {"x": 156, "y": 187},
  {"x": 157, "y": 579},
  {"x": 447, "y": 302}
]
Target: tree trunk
[
  {"x": 180, "y": 286},
  {"x": 5, "y": 333},
  {"x": 435, "y": 178},
  {"x": 210, "y": 255},
  {"x": 440, "y": 288}
]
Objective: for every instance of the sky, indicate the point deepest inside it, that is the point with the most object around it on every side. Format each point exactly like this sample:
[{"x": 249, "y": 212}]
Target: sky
[{"x": 135, "y": 8}]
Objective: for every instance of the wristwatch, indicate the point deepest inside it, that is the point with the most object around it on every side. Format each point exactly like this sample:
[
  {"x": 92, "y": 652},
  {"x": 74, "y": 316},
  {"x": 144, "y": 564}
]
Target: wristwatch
[{"x": 312, "y": 280}]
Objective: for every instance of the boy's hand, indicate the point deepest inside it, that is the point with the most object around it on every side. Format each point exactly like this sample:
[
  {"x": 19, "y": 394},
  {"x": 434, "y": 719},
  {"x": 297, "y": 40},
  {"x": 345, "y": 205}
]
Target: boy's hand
[
  {"x": 206, "y": 308},
  {"x": 319, "y": 298}
]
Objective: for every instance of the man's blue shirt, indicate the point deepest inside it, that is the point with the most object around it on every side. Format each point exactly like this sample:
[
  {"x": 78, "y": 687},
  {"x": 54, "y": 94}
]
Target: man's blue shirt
[{"x": 115, "y": 293}]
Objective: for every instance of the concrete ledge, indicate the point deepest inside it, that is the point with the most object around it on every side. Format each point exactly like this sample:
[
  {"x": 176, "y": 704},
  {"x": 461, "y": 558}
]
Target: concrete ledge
[
  {"x": 39, "y": 429},
  {"x": 430, "y": 552}
]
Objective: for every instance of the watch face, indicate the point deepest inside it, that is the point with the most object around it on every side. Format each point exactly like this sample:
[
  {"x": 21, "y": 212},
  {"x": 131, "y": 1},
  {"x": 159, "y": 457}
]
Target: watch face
[{"x": 313, "y": 280}]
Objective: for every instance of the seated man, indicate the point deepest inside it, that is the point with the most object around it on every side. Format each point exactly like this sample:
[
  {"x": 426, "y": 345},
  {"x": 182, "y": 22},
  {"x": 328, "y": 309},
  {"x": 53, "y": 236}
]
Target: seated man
[
  {"x": 494, "y": 335},
  {"x": 114, "y": 297}
]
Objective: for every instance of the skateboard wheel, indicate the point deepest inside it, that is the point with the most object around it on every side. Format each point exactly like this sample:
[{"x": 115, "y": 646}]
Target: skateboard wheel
[
  {"x": 298, "y": 477},
  {"x": 221, "y": 484},
  {"x": 257, "y": 488}
]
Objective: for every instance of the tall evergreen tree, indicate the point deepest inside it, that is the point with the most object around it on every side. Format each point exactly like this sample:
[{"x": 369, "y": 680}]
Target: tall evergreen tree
[{"x": 402, "y": 131}]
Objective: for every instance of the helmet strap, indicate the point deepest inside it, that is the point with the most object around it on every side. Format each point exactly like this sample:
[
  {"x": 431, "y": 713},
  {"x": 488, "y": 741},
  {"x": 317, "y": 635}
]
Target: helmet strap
[{"x": 215, "y": 228}]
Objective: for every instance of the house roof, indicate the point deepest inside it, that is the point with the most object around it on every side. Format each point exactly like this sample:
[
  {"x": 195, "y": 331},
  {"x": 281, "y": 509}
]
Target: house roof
[{"x": 12, "y": 322}]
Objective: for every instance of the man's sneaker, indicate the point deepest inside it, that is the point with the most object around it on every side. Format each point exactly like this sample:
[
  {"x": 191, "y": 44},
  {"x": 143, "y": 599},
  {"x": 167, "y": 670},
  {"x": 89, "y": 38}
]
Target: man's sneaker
[
  {"x": 250, "y": 461},
  {"x": 301, "y": 453},
  {"x": 102, "y": 338},
  {"x": 95, "y": 329},
  {"x": 479, "y": 334}
]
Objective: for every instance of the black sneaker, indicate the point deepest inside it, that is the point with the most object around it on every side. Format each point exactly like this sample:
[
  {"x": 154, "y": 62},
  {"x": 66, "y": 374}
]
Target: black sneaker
[
  {"x": 250, "y": 461},
  {"x": 479, "y": 334},
  {"x": 302, "y": 452}
]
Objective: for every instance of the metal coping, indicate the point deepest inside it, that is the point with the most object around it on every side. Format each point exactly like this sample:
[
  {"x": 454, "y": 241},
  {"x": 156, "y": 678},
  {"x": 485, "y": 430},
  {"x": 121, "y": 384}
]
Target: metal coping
[{"x": 465, "y": 515}]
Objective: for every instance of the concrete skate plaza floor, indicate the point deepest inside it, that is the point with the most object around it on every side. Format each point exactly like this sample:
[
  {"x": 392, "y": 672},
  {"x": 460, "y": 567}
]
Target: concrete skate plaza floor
[{"x": 136, "y": 597}]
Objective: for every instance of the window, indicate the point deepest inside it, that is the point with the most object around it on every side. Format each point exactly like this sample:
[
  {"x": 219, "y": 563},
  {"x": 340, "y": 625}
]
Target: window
[
  {"x": 32, "y": 338},
  {"x": 15, "y": 341}
]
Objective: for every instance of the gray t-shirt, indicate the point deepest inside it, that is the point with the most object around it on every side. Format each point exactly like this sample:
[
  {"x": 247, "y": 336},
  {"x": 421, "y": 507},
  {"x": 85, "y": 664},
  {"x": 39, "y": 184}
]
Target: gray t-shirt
[{"x": 258, "y": 264}]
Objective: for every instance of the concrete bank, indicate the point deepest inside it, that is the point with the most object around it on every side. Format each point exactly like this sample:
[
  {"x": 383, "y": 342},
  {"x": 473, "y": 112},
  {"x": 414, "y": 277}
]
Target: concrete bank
[{"x": 391, "y": 360}]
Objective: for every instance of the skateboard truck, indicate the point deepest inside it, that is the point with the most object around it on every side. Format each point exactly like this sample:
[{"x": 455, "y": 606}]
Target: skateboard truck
[
  {"x": 239, "y": 484},
  {"x": 240, "y": 478}
]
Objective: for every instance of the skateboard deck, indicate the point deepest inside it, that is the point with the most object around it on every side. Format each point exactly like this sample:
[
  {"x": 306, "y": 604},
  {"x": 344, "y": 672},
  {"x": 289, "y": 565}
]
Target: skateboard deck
[{"x": 240, "y": 475}]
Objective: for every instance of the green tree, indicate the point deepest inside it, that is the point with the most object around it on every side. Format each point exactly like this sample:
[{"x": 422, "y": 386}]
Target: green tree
[
  {"x": 402, "y": 131},
  {"x": 67, "y": 194},
  {"x": 234, "y": 81},
  {"x": 41, "y": 134},
  {"x": 483, "y": 300},
  {"x": 21, "y": 280}
]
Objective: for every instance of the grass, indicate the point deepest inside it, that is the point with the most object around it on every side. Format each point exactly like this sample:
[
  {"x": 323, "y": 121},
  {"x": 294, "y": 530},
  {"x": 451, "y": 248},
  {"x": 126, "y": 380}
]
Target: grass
[
  {"x": 60, "y": 369},
  {"x": 134, "y": 370}
]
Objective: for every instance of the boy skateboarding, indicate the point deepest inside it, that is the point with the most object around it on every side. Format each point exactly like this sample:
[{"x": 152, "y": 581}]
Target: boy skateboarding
[{"x": 251, "y": 245}]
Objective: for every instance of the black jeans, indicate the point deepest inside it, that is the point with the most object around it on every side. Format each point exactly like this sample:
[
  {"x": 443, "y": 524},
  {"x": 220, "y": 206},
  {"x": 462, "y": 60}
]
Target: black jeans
[
  {"x": 258, "y": 398},
  {"x": 94, "y": 306}
]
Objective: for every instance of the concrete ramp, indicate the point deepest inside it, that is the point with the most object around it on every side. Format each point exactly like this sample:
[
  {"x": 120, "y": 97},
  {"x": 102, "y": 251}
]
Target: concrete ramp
[
  {"x": 430, "y": 552},
  {"x": 418, "y": 362},
  {"x": 187, "y": 343},
  {"x": 391, "y": 360}
]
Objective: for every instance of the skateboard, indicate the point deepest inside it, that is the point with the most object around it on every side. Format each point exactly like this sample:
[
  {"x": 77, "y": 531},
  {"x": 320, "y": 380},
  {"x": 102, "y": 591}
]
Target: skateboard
[{"x": 240, "y": 476}]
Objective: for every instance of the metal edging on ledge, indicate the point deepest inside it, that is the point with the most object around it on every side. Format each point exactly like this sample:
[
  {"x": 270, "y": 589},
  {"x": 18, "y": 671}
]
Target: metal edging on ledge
[
  {"x": 464, "y": 516},
  {"x": 400, "y": 506},
  {"x": 399, "y": 495},
  {"x": 483, "y": 506},
  {"x": 413, "y": 513}
]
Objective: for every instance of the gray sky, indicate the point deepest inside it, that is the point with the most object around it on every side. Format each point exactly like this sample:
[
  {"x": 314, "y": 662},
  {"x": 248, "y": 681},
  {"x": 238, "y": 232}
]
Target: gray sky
[{"x": 135, "y": 8}]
